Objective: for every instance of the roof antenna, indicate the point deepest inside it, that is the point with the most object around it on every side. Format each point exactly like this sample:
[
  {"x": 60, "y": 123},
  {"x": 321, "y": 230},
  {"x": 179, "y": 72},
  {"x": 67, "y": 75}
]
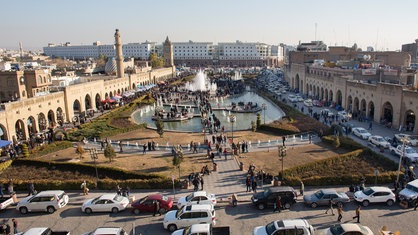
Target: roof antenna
[{"x": 316, "y": 27}]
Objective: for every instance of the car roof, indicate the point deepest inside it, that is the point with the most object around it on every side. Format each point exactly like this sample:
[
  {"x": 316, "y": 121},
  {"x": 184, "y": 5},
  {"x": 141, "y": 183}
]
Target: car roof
[
  {"x": 328, "y": 191},
  {"x": 281, "y": 189},
  {"x": 107, "y": 230},
  {"x": 35, "y": 231},
  {"x": 291, "y": 223},
  {"x": 414, "y": 183},
  {"x": 350, "y": 227},
  {"x": 155, "y": 196},
  {"x": 50, "y": 192},
  {"x": 199, "y": 228},
  {"x": 198, "y": 207},
  {"x": 379, "y": 188},
  {"x": 108, "y": 196},
  {"x": 200, "y": 193}
]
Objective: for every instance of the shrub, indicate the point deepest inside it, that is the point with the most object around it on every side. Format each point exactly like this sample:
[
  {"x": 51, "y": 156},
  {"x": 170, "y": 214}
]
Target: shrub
[
  {"x": 109, "y": 152},
  {"x": 25, "y": 150}
]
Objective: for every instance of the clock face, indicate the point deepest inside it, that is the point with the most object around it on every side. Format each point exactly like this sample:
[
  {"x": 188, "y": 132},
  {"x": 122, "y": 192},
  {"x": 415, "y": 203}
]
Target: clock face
[{"x": 22, "y": 79}]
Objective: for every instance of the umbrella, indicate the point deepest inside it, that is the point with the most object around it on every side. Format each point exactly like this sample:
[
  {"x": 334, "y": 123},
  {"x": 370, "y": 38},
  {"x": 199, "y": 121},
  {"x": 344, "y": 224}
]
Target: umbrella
[{"x": 4, "y": 143}]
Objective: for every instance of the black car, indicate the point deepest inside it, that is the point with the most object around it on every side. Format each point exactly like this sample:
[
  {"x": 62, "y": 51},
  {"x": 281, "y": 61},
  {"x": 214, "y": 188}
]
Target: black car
[{"x": 267, "y": 198}]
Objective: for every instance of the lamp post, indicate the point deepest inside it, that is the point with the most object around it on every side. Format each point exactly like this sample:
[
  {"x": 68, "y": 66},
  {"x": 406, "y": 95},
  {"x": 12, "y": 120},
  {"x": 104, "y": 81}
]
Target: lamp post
[
  {"x": 403, "y": 140},
  {"x": 93, "y": 155},
  {"x": 282, "y": 154},
  {"x": 264, "y": 107},
  {"x": 232, "y": 119}
]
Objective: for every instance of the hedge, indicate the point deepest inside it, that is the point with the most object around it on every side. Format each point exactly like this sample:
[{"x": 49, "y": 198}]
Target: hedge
[{"x": 50, "y": 148}]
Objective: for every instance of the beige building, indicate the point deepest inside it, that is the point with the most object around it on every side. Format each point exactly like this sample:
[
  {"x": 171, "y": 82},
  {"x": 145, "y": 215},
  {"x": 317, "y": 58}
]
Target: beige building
[{"x": 386, "y": 94}]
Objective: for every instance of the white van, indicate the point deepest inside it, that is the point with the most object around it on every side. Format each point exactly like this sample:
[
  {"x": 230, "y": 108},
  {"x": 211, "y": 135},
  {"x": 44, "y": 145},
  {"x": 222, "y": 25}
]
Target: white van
[
  {"x": 189, "y": 215},
  {"x": 410, "y": 192},
  {"x": 48, "y": 201}
]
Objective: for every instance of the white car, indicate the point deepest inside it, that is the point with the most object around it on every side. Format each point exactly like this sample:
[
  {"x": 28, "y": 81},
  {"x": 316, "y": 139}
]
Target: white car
[
  {"x": 199, "y": 197},
  {"x": 189, "y": 215},
  {"x": 345, "y": 229},
  {"x": 290, "y": 226},
  {"x": 379, "y": 141},
  {"x": 48, "y": 201},
  {"x": 105, "y": 203},
  {"x": 343, "y": 115},
  {"x": 299, "y": 98},
  {"x": 329, "y": 112},
  {"x": 361, "y": 133},
  {"x": 108, "y": 231},
  {"x": 292, "y": 98},
  {"x": 375, "y": 195}
]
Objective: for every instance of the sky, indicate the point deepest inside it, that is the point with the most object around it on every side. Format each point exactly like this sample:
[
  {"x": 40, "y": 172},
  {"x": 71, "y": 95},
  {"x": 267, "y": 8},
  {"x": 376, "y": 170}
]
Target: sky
[{"x": 382, "y": 24}]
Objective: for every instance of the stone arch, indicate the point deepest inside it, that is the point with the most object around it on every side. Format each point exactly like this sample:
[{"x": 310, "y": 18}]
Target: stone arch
[
  {"x": 308, "y": 93},
  {"x": 322, "y": 93},
  {"x": 356, "y": 106},
  {"x": 42, "y": 122},
  {"x": 133, "y": 86},
  {"x": 326, "y": 94},
  {"x": 20, "y": 130},
  {"x": 301, "y": 87},
  {"x": 76, "y": 108},
  {"x": 371, "y": 110},
  {"x": 98, "y": 100},
  {"x": 110, "y": 94},
  {"x": 31, "y": 125},
  {"x": 339, "y": 98},
  {"x": 331, "y": 96},
  {"x": 409, "y": 120},
  {"x": 51, "y": 118},
  {"x": 387, "y": 112},
  {"x": 106, "y": 95},
  {"x": 114, "y": 92},
  {"x": 297, "y": 80},
  {"x": 350, "y": 103},
  {"x": 87, "y": 102},
  {"x": 363, "y": 107},
  {"x": 311, "y": 90},
  {"x": 60, "y": 116},
  {"x": 118, "y": 92},
  {"x": 3, "y": 132}
]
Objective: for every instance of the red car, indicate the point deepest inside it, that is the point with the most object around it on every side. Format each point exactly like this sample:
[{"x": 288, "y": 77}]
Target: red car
[{"x": 146, "y": 204}]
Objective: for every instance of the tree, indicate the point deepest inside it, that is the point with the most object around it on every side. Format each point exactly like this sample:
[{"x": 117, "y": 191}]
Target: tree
[
  {"x": 160, "y": 127},
  {"x": 25, "y": 150},
  {"x": 253, "y": 126},
  {"x": 156, "y": 62},
  {"x": 109, "y": 152},
  {"x": 79, "y": 150},
  {"x": 258, "y": 120},
  {"x": 177, "y": 158},
  {"x": 101, "y": 60}
]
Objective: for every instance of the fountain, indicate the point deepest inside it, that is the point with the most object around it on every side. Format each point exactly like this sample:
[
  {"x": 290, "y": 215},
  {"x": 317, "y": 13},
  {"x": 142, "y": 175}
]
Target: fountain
[
  {"x": 199, "y": 83},
  {"x": 156, "y": 146},
  {"x": 137, "y": 145},
  {"x": 237, "y": 76}
]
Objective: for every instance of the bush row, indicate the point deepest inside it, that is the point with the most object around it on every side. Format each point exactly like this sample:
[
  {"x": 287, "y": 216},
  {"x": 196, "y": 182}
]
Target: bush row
[
  {"x": 110, "y": 172},
  {"x": 4, "y": 165},
  {"x": 50, "y": 148}
]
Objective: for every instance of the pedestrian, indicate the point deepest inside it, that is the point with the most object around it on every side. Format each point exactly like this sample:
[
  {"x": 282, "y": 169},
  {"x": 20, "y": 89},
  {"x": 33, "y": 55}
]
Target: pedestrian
[
  {"x": 340, "y": 213},
  {"x": 201, "y": 183},
  {"x": 310, "y": 139},
  {"x": 145, "y": 149},
  {"x": 1, "y": 190},
  {"x": 118, "y": 190},
  {"x": 330, "y": 202},
  {"x": 416, "y": 203},
  {"x": 284, "y": 140},
  {"x": 102, "y": 144},
  {"x": 84, "y": 188},
  {"x": 156, "y": 207},
  {"x": 302, "y": 188},
  {"x": 31, "y": 189},
  {"x": 278, "y": 204},
  {"x": 371, "y": 126},
  {"x": 357, "y": 213},
  {"x": 254, "y": 186},
  {"x": 120, "y": 146},
  {"x": 15, "y": 230},
  {"x": 10, "y": 187},
  {"x": 226, "y": 154},
  {"x": 248, "y": 183},
  {"x": 8, "y": 229}
]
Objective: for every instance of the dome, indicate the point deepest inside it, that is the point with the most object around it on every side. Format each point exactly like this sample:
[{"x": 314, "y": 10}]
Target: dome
[{"x": 110, "y": 67}]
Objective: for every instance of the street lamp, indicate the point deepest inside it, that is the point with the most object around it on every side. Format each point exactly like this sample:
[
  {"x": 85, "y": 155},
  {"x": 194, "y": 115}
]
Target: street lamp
[
  {"x": 264, "y": 107},
  {"x": 403, "y": 140},
  {"x": 282, "y": 154},
  {"x": 93, "y": 155},
  {"x": 232, "y": 119}
]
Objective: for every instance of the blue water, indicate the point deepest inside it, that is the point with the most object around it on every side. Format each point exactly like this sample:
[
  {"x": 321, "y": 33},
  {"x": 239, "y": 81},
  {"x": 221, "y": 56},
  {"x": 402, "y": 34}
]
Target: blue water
[{"x": 243, "y": 120}]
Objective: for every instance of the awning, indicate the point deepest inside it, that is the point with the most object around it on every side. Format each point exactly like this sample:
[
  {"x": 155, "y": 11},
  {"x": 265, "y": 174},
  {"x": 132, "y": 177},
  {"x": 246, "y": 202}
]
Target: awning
[
  {"x": 108, "y": 100},
  {"x": 4, "y": 143}
]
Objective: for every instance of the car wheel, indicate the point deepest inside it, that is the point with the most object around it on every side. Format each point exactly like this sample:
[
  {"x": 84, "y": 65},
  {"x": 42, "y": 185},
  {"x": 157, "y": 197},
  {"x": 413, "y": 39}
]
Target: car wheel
[
  {"x": 261, "y": 206},
  {"x": 172, "y": 227},
  {"x": 23, "y": 210},
  {"x": 390, "y": 202},
  {"x": 314, "y": 205},
  {"x": 88, "y": 210},
  {"x": 162, "y": 210},
  {"x": 365, "y": 203},
  {"x": 136, "y": 211},
  {"x": 50, "y": 209},
  {"x": 115, "y": 210},
  {"x": 287, "y": 205}
]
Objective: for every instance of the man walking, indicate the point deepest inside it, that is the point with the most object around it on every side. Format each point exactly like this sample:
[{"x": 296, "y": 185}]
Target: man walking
[
  {"x": 340, "y": 213},
  {"x": 284, "y": 140},
  {"x": 357, "y": 214},
  {"x": 248, "y": 183},
  {"x": 156, "y": 207},
  {"x": 201, "y": 183},
  {"x": 330, "y": 207},
  {"x": 15, "y": 231},
  {"x": 302, "y": 188},
  {"x": 278, "y": 204}
]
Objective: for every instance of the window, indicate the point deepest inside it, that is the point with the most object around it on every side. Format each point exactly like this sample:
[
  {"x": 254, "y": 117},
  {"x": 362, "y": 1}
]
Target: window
[{"x": 186, "y": 215}]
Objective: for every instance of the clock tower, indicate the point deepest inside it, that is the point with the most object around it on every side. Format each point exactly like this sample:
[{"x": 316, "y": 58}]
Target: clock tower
[{"x": 168, "y": 53}]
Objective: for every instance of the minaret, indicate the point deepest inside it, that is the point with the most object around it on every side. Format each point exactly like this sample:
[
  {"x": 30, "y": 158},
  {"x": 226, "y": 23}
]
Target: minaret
[
  {"x": 120, "y": 69},
  {"x": 168, "y": 53}
]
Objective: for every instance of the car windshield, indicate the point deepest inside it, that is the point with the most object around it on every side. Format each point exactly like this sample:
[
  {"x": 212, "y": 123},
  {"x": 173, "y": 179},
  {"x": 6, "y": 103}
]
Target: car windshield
[
  {"x": 142, "y": 200},
  {"x": 336, "y": 230},
  {"x": 266, "y": 192},
  {"x": 319, "y": 194},
  {"x": 380, "y": 139},
  {"x": 410, "y": 150},
  {"x": 118, "y": 198},
  {"x": 412, "y": 188},
  {"x": 178, "y": 213},
  {"x": 270, "y": 228},
  {"x": 362, "y": 131},
  {"x": 189, "y": 197},
  {"x": 368, "y": 191},
  {"x": 187, "y": 231},
  {"x": 94, "y": 200}
]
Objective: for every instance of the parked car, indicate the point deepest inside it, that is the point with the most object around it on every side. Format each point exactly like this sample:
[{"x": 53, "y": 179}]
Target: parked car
[
  {"x": 408, "y": 152},
  {"x": 267, "y": 198},
  {"x": 290, "y": 226},
  {"x": 198, "y": 197},
  {"x": 402, "y": 137},
  {"x": 361, "y": 133},
  {"x": 379, "y": 141},
  {"x": 317, "y": 103},
  {"x": 328, "y": 112},
  {"x": 203, "y": 229},
  {"x": 110, "y": 202},
  {"x": 146, "y": 204},
  {"x": 410, "y": 193},
  {"x": 322, "y": 197},
  {"x": 108, "y": 231},
  {"x": 6, "y": 201},
  {"x": 375, "y": 195},
  {"x": 48, "y": 201},
  {"x": 345, "y": 229},
  {"x": 292, "y": 98},
  {"x": 343, "y": 115},
  {"x": 44, "y": 231},
  {"x": 189, "y": 215},
  {"x": 345, "y": 125}
]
